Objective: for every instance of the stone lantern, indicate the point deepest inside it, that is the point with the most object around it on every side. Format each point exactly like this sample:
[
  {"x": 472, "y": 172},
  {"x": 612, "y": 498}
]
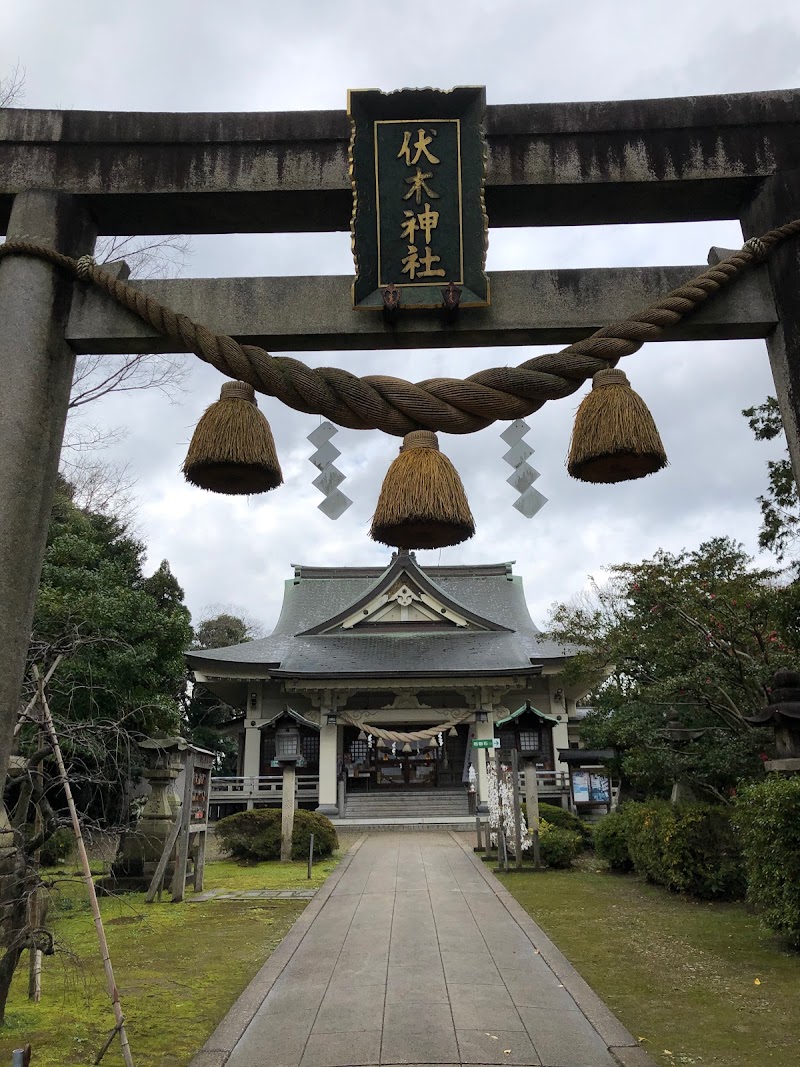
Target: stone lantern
[
  {"x": 677, "y": 735},
  {"x": 289, "y": 755},
  {"x": 141, "y": 848},
  {"x": 287, "y": 744},
  {"x": 783, "y": 715}
]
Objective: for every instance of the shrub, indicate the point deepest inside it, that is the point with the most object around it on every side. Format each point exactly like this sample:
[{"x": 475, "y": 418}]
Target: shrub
[
  {"x": 768, "y": 817},
  {"x": 610, "y": 841},
  {"x": 256, "y": 835},
  {"x": 690, "y": 848},
  {"x": 57, "y": 848},
  {"x": 646, "y": 826},
  {"x": 557, "y": 847},
  {"x": 565, "y": 820}
]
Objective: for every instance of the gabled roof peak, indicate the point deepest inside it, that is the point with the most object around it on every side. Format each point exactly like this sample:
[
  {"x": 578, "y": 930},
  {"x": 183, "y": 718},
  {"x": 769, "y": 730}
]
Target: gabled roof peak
[{"x": 424, "y": 602}]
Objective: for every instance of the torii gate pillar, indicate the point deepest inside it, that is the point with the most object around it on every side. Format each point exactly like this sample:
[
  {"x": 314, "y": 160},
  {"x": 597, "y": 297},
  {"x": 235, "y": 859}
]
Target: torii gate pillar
[
  {"x": 778, "y": 200},
  {"x": 36, "y": 366}
]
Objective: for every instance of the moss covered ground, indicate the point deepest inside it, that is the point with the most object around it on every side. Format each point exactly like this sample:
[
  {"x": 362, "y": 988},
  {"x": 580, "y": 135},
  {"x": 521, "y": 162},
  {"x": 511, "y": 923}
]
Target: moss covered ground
[
  {"x": 697, "y": 983},
  {"x": 179, "y": 967}
]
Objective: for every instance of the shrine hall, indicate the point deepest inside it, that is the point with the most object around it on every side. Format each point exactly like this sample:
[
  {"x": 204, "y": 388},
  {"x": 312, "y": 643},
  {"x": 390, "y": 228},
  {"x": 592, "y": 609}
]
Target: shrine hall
[{"x": 444, "y": 656}]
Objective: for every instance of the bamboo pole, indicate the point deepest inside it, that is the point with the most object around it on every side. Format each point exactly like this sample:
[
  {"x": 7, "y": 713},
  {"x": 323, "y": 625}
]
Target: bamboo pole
[
  {"x": 23, "y": 717},
  {"x": 532, "y": 803},
  {"x": 47, "y": 719},
  {"x": 35, "y": 910}
]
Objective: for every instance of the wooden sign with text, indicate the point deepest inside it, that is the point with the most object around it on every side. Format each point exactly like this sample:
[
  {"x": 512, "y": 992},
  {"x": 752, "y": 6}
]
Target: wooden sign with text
[{"x": 417, "y": 164}]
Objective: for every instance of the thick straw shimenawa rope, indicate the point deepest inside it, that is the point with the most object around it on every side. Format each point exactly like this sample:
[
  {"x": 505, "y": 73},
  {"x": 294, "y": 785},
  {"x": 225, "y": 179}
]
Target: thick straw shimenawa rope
[
  {"x": 395, "y": 406},
  {"x": 405, "y": 736}
]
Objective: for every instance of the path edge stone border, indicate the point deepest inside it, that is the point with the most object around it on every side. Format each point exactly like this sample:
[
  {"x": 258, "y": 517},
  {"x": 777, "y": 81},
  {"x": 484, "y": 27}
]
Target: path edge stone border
[
  {"x": 621, "y": 1044},
  {"x": 219, "y": 1046}
]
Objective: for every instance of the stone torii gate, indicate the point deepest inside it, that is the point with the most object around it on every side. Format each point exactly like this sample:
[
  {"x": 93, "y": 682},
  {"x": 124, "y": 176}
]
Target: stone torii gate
[{"x": 67, "y": 176}]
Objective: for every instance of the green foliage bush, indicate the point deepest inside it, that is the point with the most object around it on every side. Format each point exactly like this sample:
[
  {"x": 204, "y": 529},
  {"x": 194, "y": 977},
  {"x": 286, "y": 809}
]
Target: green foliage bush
[
  {"x": 767, "y": 815},
  {"x": 558, "y": 847},
  {"x": 565, "y": 820},
  {"x": 610, "y": 841},
  {"x": 255, "y": 835},
  {"x": 691, "y": 848},
  {"x": 58, "y": 848}
]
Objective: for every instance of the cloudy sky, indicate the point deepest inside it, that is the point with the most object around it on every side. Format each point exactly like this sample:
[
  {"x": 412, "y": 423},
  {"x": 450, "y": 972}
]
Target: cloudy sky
[{"x": 266, "y": 56}]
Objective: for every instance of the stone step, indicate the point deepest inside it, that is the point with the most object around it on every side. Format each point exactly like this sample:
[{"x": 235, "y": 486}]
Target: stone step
[
  {"x": 410, "y": 796},
  {"x": 412, "y": 807},
  {"x": 415, "y": 802},
  {"x": 432, "y": 824},
  {"x": 396, "y": 813}
]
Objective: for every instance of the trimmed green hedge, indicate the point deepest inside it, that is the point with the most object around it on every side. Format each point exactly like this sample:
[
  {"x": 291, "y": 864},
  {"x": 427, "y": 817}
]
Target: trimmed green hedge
[
  {"x": 690, "y": 848},
  {"x": 565, "y": 820},
  {"x": 256, "y": 835},
  {"x": 611, "y": 841},
  {"x": 768, "y": 817},
  {"x": 558, "y": 847}
]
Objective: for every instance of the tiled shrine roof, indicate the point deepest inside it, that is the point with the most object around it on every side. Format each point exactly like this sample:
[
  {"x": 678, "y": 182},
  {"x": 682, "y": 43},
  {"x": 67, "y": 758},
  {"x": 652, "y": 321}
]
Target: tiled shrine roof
[{"x": 497, "y": 636}]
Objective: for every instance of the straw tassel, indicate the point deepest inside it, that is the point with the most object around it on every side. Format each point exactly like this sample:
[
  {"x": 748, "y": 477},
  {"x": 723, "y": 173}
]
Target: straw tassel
[
  {"x": 422, "y": 503},
  {"x": 232, "y": 449},
  {"x": 614, "y": 438}
]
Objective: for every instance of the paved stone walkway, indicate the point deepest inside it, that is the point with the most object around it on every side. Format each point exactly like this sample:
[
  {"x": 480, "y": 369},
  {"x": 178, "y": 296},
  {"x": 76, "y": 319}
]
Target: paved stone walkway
[{"x": 412, "y": 953}]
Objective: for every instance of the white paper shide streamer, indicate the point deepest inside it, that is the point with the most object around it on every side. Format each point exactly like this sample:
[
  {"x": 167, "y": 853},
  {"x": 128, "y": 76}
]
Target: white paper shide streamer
[
  {"x": 330, "y": 477},
  {"x": 524, "y": 475},
  {"x": 501, "y": 801}
]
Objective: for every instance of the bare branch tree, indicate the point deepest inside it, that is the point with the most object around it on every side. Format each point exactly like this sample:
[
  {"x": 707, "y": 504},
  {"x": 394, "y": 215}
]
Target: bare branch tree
[
  {"x": 100, "y": 485},
  {"x": 97, "y": 376},
  {"x": 12, "y": 86},
  {"x": 147, "y": 257}
]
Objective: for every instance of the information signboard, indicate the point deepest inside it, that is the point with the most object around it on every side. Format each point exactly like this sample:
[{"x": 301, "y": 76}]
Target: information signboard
[{"x": 590, "y": 787}]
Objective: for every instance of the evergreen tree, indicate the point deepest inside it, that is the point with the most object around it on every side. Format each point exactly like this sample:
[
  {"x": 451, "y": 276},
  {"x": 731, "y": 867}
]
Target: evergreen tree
[
  {"x": 780, "y": 505},
  {"x": 692, "y": 638},
  {"x": 122, "y": 637}
]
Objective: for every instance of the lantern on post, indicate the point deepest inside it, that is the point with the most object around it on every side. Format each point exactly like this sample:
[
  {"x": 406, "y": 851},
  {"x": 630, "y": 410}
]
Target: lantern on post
[
  {"x": 287, "y": 744},
  {"x": 289, "y": 755}
]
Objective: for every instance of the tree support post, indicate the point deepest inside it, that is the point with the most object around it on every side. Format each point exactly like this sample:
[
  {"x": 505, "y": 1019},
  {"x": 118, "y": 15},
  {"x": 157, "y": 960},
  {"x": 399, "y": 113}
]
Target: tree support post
[
  {"x": 532, "y": 806},
  {"x": 777, "y": 200},
  {"x": 36, "y": 366}
]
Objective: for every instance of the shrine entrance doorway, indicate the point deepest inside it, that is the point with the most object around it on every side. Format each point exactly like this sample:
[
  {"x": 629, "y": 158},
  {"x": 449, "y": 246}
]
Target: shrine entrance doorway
[
  {"x": 412, "y": 771},
  {"x": 424, "y": 767}
]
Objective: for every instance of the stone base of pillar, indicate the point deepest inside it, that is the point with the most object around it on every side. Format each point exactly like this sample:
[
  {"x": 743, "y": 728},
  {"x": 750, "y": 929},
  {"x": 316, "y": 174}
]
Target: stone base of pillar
[
  {"x": 483, "y": 808},
  {"x": 327, "y": 809}
]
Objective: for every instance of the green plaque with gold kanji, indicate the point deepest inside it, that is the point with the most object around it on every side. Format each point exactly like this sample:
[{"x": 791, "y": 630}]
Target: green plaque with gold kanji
[{"x": 418, "y": 164}]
